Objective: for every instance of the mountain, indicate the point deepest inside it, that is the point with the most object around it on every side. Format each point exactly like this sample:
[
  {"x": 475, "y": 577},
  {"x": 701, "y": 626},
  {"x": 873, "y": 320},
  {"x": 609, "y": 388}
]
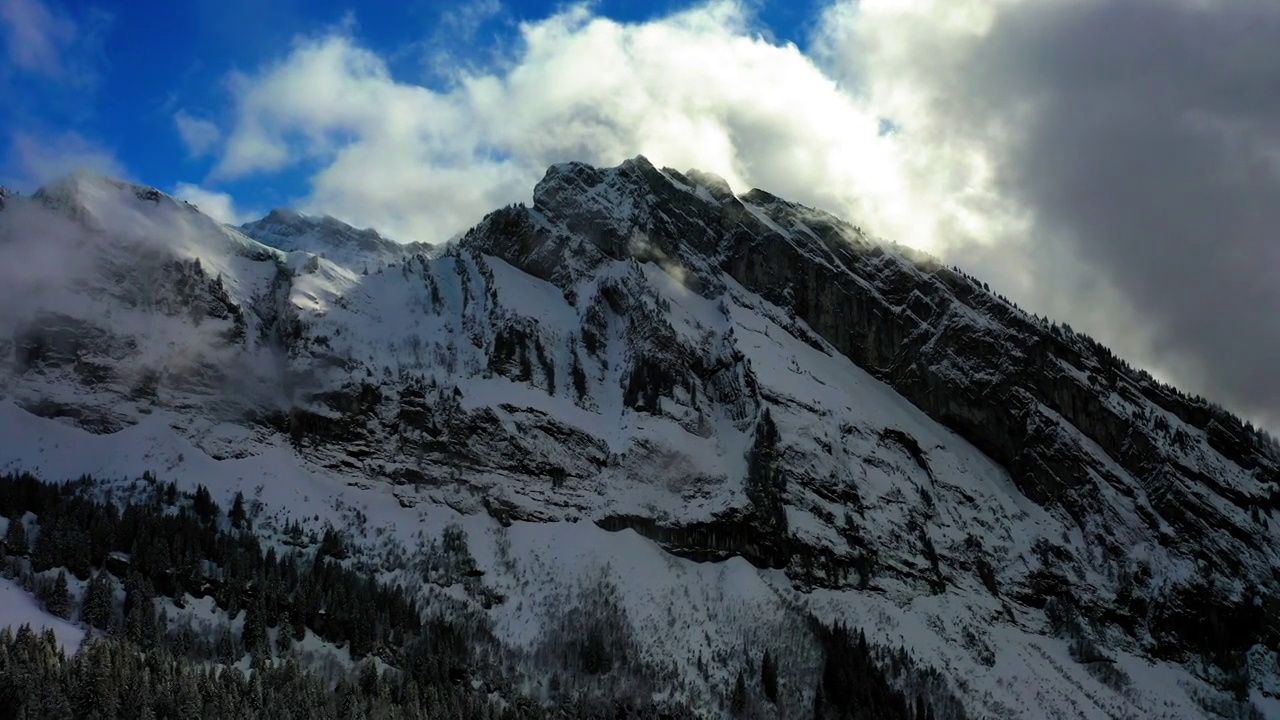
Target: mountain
[
  {"x": 720, "y": 422},
  {"x": 291, "y": 231}
]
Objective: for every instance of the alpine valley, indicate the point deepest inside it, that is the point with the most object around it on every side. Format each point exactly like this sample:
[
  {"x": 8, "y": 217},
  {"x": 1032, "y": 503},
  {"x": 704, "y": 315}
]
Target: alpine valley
[{"x": 643, "y": 448}]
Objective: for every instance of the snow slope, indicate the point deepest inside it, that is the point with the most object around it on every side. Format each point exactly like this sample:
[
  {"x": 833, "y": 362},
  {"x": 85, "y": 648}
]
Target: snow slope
[
  {"x": 679, "y": 608},
  {"x": 635, "y": 387},
  {"x": 18, "y": 608}
]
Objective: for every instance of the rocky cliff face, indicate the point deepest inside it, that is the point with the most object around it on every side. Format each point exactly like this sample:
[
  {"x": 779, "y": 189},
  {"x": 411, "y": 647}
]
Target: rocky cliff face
[
  {"x": 728, "y": 376},
  {"x": 1103, "y": 446}
]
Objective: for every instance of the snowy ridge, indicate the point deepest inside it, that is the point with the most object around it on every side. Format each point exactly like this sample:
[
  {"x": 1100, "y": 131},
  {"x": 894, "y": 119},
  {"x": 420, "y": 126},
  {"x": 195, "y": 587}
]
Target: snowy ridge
[
  {"x": 711, "y": 401},
  {"x": 361, "y": 250}
]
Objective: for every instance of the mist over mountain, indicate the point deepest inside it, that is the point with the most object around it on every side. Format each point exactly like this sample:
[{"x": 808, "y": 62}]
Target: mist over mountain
[{"x": 642, "y": 443}]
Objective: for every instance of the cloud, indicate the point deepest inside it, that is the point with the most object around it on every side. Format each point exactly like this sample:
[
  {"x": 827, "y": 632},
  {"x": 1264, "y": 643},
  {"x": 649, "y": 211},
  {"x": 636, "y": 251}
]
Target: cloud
[
  {"x": 37, "y": 159},
  {"x": 199, "y": 135},
  {"x": 36, "y": 36},
  {"x": 693, "y": 89},
  {"x": 464, "y": 19},
  {"x": 44, "y": 41},
  {"x": 460, "y": 43},
  {"x": 1139, "y": 140},
  {"x": 52, "y": 261},
  {"x": 1110, "y": 162},
  {"x": 218, "y": 205}
]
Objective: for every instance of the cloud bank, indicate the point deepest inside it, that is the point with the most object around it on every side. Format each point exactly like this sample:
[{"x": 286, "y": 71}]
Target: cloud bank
[
  {"x": 1112, "y": 163},
  {"x": 1140, "y": 139}
]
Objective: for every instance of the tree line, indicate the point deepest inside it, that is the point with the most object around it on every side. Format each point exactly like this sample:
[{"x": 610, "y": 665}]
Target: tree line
[{"x": 164, "y": 548}]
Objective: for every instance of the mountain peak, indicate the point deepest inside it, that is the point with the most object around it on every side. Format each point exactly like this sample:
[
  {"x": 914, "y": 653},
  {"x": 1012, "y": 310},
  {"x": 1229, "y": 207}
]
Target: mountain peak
[
  {"x": 288, "y": 230},
  {"x": 287, "y": 222},
  {"x": 85, "y": 180},
  {"x": 282, "y": 215},
  {"x": 639, "y": 163},
  {"x": 716, "y": 186},
  {"x": 121, "y": 208},
  {"x": 584, "y": 215}
]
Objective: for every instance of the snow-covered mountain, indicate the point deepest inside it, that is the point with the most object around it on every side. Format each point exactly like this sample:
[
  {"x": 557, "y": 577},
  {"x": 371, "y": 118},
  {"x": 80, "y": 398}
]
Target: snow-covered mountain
[
  {"x": 738, "y": 412},
  {"x": 330, "y": 238}
]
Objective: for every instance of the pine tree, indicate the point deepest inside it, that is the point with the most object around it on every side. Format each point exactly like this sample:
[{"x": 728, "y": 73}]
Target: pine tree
[
  {"x": 738, "y": 701},
  {"x": 368, "y": 681},
  {"x": 15, "y": 539},
  {"x": 238, "y": 516},
  {"x": 769, "y": 678},
  {"x": 254, "y": 635},
  {"x": 595, "y": 656},
  {"x": 54, "y": 702},
  {"x": 227, "y": 647},
  {"x": 100, "y": 698},
  {"x": 184, "y": 640},
  {"x": 140, "y": 622},
  {"x": 202, "y": 502},
  {"x": 284, "y": 638},
  {"x": 332, "y": 545},
  {"x": 57, "y": 598},
  {"x": 99, "y": 601}
]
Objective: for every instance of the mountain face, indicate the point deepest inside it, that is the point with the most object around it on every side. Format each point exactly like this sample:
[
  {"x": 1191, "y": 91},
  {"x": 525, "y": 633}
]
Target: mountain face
[{"x": 737, "y": 412}]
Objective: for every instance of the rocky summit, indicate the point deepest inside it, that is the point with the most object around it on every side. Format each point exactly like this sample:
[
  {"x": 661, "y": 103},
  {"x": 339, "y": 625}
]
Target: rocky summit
[{"x": 735, "y": 423}]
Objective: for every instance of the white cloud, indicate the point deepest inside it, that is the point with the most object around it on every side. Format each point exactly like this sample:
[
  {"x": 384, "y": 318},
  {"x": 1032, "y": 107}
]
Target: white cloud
[
  {"x": 39, "y": 159},
  {"x": 691, "y": 90},
  {"x": 36, "y": 36},
  {"x": 702, "y": 88},
  {"x": 218, "y": 205},
  {"x": 695, "y": 89},
  {"x": 199, "y": 135}
]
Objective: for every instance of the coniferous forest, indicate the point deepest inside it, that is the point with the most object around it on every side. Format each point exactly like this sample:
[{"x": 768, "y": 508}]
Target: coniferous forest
[{"x": 117, "y": 562}]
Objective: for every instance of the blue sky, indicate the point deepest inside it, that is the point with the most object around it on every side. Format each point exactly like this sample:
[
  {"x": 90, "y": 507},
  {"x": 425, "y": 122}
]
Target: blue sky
[{"x": 117, "y": 74}]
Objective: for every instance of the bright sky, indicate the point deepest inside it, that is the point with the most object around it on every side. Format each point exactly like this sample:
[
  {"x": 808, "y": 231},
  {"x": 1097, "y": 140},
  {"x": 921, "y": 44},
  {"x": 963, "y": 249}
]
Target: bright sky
[{"x": 1111, "y": 163}]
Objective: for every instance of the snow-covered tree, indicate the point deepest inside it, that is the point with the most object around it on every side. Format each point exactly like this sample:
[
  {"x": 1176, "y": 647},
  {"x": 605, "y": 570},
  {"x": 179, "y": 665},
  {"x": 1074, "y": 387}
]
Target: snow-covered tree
[{"x": 99, "y": 601}]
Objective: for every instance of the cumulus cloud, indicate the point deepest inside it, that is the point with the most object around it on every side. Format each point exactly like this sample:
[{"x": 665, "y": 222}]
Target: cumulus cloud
[
  {"x": 199, "y": 135},
  {"x": 218, "y": 205},
  {"x": 36, "y": 36},
  {"x": 40, "y": 158},
  {"x": 1110, "y": 162},
  {"x": 692, "y": 90}
]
